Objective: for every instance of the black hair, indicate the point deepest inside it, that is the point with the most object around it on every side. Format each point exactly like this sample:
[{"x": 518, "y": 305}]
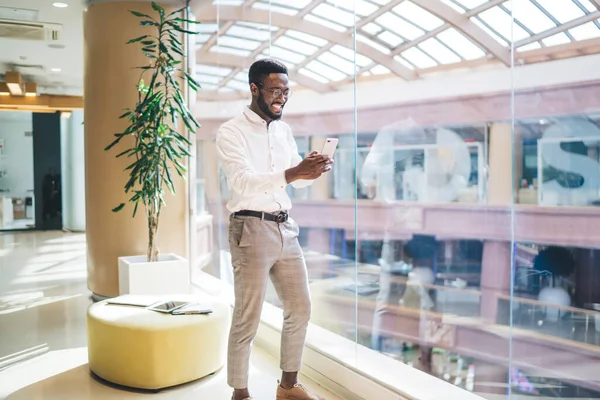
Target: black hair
[{"x": 263, "y": 68}]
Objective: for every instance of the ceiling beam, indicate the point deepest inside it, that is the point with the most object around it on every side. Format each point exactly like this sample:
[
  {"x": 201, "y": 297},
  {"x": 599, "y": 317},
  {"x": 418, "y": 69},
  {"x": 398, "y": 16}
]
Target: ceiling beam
[
  {"x": 596, "y": 3},
  {"x": 468, "y": 28},
  {"x": 265, "y": 45},
  {"x": 558, "y": 29},
  {"x": 41, "y": 103},
  {"x": 233, "y": 61},
  {"x": 208, "y": 13}
]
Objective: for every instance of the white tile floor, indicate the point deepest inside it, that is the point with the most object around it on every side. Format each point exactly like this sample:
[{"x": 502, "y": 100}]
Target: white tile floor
[{"x": 43, "y": 354}]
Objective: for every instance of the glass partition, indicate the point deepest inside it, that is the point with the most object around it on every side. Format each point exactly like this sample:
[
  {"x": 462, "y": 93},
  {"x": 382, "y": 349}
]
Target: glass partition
[{"x": 457, "y": 231}]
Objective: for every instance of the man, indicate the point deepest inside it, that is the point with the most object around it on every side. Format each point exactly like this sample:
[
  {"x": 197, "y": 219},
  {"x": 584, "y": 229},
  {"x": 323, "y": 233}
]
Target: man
[{"x": 260, "y": 158}]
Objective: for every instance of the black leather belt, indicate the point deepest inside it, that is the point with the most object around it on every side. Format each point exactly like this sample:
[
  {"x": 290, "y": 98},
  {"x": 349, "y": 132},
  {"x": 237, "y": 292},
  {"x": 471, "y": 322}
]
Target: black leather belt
[{"x": 280, "y": 217}]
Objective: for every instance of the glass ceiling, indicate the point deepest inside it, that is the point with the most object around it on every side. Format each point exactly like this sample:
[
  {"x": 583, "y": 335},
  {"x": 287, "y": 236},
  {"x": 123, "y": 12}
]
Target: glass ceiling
[{"x": 411, "y": 34}]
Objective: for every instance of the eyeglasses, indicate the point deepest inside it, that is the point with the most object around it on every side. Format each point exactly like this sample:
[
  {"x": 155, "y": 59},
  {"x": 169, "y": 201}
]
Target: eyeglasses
[{"x": 278, "y": 92}]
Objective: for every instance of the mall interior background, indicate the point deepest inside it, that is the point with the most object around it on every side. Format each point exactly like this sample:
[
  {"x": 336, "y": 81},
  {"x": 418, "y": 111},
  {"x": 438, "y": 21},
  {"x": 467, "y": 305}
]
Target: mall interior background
[{"x": 457, "y": 232}]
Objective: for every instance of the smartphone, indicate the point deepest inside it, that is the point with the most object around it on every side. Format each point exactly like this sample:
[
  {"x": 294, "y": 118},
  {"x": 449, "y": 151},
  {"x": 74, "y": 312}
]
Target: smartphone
[{"x": 329, "y": 147}]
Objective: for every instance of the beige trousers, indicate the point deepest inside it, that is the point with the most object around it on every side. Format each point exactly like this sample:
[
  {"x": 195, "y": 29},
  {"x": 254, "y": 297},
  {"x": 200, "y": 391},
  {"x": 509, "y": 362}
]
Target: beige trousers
[{"x": 259, "y": 250}]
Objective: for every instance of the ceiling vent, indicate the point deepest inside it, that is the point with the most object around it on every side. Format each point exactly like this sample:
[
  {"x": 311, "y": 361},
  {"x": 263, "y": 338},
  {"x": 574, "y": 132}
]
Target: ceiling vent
[{"x": 29, "y": 30}]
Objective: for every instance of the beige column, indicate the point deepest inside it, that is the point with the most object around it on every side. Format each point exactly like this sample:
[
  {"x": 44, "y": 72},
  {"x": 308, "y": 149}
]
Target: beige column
[
  {"x": 109, "y": 86},
  {"x": 505, "y": 163},
  {"x": 495, "y": 277}
]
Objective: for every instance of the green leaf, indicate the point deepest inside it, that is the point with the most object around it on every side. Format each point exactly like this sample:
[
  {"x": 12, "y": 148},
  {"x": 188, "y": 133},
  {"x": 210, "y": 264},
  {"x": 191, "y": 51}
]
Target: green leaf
[
  {"x": 149, "y": 23},
  {"x": 158, "y": 8},
  {"x": 189, "y": 21},
  {"x": 137, "y": 39},
  {"x": 135, "y": 209},
  {"x": 177, "y": 11},
  {"x": 139, "y": 14},
  {"x": 147, "y": 42},
  {"x": 118, "y": 208}
]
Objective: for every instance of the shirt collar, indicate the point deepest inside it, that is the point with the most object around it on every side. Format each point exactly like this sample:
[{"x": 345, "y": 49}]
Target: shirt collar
[{"x": 253, "y": 117}]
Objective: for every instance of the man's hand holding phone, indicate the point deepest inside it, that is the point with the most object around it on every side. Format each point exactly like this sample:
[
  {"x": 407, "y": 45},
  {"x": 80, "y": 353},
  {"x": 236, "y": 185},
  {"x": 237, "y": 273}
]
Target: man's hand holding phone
[{"x": 315, "y": 164}]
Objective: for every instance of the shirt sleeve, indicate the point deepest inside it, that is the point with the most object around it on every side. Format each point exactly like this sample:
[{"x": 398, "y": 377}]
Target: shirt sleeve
[
  {"x": 240, "y": 176},
  {"x": 296, "y": 159}
]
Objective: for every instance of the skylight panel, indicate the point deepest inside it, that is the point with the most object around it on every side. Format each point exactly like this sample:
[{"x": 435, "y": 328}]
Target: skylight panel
[
  {"x": 202, "y": 38},
  {"x": 285, "y": 55},
  {"x": 212, "y": 70},
  {"x": 333, "y": 60},
  {"x": 373, "y": 44},
  {"x": 317, "y": 41},
  {"x": 206, "y": 28},
  {"x": 437, "y": 50},
  {"x": 372, "y": 28},
  {"x": 208, "y": 86},
  {"x": 312, "y": 75},
  {"x": 404, "y": 62},
  {"x": 380, "y": 70},
  {"x": 502, "y": 23},
  {"x": 348, "y": 54},
  {"x": 390, "y": 38},
  {"x": 277, "y": 9},
  {"x": 416, "y": 57},
  {"x": 329, "y": 12},
  {"x": 400, "y": 26},
  {"x": 326, "y": 23},
  {"x": 490, "y": 32},
  {"x": 460, "y": 44},
  {"x": 531, "y": 16},
  {"x": 361, "y": 7},
  {"x": 588, "y": 6},
  {"x": 230, "y": 50},
  {"x": 262, "y": 27},
  {"x": 299, "y": 46},
  {"x": 249, "y": 33},
  {"x": 209, "y": 79},
  {"x": 239, "y": 43},
  {"x": 241, "y": 76},
  {"x": 558, "y": 39},
  {"x": 237, "y": 85},
  {"x": 225, "y": 89},
  {"x": 418, "y": 16},
  {"x": 326, "y": 71},
  {"x": 585, "y": 31},
  {"x": 563, "y": 10},
  {"x": 530, "y": 46},
  {"x": 471, "y": 4}
]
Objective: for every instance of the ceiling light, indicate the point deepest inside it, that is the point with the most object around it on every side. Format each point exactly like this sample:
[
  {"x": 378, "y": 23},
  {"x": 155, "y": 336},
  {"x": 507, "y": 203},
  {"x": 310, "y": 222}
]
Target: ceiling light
[
  {"x": 60, "y": 5},
  {"x": 55, "y": 69},
  {"x": 14, "y": 83}
]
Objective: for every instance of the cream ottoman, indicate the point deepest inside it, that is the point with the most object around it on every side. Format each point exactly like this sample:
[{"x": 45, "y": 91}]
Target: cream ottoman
[{"x": 145, "y": 349}]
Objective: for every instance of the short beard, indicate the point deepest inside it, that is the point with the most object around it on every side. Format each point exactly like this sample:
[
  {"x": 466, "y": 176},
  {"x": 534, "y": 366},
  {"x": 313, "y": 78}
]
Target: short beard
[{"x": 262, "y": 105}]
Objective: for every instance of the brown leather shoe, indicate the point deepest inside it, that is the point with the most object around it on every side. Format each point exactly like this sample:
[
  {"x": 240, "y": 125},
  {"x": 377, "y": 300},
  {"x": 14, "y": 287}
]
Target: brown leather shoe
[{"x": 298, "y": 392}]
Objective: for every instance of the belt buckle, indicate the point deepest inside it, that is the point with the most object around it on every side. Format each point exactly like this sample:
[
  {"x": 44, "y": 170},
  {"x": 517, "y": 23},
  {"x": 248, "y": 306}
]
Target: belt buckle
[{"x": 282, "y": 217}]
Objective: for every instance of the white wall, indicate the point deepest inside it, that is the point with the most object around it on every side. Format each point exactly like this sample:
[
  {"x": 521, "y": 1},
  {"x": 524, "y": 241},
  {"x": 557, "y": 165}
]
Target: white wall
[
  {"x": 73, "y": 172},
  {"x": 17, "y": 155}
]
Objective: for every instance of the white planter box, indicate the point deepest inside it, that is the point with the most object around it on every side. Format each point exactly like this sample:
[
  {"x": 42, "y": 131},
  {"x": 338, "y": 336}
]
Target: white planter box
[{"x": 169, "y": 275}]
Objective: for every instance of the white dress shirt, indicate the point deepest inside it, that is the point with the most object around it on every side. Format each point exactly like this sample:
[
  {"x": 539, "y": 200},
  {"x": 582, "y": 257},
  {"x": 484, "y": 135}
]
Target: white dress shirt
[{"x": 254, "y": 158}]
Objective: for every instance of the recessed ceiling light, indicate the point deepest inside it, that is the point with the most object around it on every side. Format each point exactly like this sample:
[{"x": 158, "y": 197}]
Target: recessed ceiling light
[
  {"x": 60, "y": 5},
  {"x": 55, "y": 69}
]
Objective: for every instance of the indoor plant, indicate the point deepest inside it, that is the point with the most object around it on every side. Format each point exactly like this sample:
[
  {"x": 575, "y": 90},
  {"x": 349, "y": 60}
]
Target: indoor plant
[{"x": 156, "y": 145}]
